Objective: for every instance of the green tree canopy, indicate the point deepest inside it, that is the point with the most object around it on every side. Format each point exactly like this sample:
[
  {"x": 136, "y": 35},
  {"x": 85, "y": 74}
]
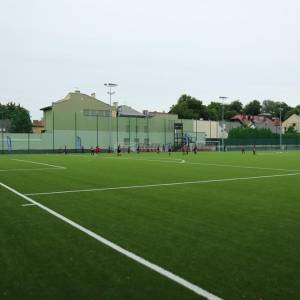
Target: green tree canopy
[
  {"x": 253, "y": 108},
  {"x": 273, "y": 108},
  {"x": 295, "y": 110},
  {"x": 188, "y": 107},
  {"x": 18, "y": 116}
]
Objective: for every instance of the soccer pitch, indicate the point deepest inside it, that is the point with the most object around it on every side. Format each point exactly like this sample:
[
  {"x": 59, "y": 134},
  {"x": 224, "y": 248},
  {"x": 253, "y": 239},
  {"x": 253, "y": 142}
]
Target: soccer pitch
[{"x": 150, "y": 226}]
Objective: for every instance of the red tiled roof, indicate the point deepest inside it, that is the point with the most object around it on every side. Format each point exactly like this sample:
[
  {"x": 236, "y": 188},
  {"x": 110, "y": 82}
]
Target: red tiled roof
[
  {"x": 255, "y": 119},
  {"x": 38, "y": 123}
]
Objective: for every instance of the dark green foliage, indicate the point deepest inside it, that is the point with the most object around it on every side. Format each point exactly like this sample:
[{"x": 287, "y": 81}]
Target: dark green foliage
[
  {"x": 253, "y": 108},
  {"x": 295, "y": 110},
  {"x": 273, "y": 108},
  {"x": 291, "y": 130},
  {"x": 18, "y": 116},
  {"x": 215, "y": 111},
  {"x": 188, "y": 107},
  {"x": 246, "y": 132}
]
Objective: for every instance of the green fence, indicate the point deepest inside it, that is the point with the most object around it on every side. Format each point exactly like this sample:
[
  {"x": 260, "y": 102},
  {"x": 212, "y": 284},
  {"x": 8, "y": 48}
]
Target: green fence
[
  {"x": 287, "y": 143},
  {"x": 77, "y": 132}
]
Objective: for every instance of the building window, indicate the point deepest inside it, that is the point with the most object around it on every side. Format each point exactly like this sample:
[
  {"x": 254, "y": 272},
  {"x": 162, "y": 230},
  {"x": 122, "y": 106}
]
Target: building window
[{"x": 96, "y": 112}]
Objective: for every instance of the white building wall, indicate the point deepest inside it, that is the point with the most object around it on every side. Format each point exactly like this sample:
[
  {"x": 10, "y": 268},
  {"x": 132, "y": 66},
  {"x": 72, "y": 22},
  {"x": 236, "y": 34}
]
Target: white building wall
[{"x": 212, "y": 129}]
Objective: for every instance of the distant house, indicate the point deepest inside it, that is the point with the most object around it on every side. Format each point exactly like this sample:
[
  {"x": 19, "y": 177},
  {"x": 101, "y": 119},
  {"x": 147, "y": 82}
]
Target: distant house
[
  {"x": 292, "y": 121},
  {"x": 127, "y": 111},
  {"x": 260, "y": 121},
  {"x": 38, "y": 126}
]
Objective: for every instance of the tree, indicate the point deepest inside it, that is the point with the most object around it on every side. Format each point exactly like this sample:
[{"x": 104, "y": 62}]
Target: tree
[
  {"x": 18, "y": 116},
  {"x": 188, "y": 107},
  {"x": 295, "y": 110},
  {"x": 291, "y": 130},
  {"x": 273, "y": 108},
  {"x": 236, "y": 106},
  {"x": 215, "y": 110},
  {"x": 253, "y": 108}
]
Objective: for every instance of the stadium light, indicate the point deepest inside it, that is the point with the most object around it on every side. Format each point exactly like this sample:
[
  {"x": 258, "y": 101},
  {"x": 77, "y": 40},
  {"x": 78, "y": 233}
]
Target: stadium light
[
  {"x": 110, "y": 92},
  {"x": 223, "y": 98}
]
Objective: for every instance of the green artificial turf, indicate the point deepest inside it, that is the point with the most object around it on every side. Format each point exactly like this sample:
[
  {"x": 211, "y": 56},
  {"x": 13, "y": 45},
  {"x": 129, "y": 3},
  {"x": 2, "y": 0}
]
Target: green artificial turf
[{"x": 236, "y": 239}]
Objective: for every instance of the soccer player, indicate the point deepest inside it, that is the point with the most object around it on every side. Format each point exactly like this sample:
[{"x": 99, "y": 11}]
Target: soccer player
[
  {"x": 254, "y": 150},
  {"x": 195, "y": 149},
  {"x": 183, "y": 149},
  {"x": 92, "y": 150},
  {"x": 119, "y": 150},
  {"x": 138, "y": 149},
  {"x": 243, "y": 149},
  {"x": 187, "y": 149},
  {"x": 157, "y": 150},
  {"x": 170, "y": 150}
]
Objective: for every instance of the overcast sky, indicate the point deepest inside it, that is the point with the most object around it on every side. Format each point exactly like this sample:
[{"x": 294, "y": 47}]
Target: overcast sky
[{"x": 155, "y": 50}]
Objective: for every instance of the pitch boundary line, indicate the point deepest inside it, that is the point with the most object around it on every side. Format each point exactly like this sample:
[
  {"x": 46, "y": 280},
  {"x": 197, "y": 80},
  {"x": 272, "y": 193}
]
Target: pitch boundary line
[
  {"x": 38, "y": 163},
  {"x": 35, "y": 169},
  {"x": 181, "y": 281},
  {"x": 182, "y": 161},
  {"x": 162, "y": 184},
  {"x": 241, "y": 167}
]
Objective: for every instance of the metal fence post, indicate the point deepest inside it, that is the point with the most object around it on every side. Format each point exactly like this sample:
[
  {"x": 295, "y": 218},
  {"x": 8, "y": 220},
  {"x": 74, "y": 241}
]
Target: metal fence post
[
  {"x": 97, "y": 128},
  {"x": 75, "y": 132},
  {"x": 53, "y": 138},
  {"x": 117, "y": 131},
  {"x": 28, "y": 142}
]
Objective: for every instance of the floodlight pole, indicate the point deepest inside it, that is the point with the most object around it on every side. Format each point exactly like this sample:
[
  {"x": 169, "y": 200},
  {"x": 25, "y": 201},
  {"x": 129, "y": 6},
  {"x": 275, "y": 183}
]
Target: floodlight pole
[
  {"x": 223, "y": 98},
  {"x": 110, "y": 92}
]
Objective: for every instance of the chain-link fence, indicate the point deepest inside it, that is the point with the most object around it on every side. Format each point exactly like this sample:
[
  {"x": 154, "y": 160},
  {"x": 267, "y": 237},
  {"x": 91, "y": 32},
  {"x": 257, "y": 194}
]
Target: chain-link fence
[{"x": 76, "y": 132}]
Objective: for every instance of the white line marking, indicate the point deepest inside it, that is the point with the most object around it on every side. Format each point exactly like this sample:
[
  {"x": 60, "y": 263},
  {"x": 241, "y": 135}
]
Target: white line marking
[
  {"x": 35, "y": 169},
  {"x": 28, "y": 204},
  {"x": 239, "y": 166},
  {"x": 182, "y": 161},
  {"x": 177, "y": 161},
  {"x": 163, "y": 184},
  {"x": 196, "y": 289},
  {"x": 38, "y": 163}
]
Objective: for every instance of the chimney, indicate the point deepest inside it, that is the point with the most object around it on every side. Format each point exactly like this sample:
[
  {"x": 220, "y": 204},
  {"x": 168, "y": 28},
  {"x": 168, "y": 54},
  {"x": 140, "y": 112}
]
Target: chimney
[{"x": 93, "y": 95}]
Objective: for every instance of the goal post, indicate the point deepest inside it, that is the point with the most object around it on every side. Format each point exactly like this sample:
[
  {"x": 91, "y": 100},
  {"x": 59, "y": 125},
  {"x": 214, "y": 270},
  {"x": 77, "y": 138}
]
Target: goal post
[{"x": 209, "y": 146}]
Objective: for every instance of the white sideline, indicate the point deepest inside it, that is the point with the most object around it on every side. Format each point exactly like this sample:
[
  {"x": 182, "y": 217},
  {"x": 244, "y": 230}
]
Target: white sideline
[
  {"x": 35, "y": 169},
  {"x": 162, "y": 184},
  {"x": 196, "y": 289},
  {"x": 28, "y": 204},
  {"x": 241, "y": 167},
  {"x": 38, "y": 163},
  {"x": 182, "y": 161}
]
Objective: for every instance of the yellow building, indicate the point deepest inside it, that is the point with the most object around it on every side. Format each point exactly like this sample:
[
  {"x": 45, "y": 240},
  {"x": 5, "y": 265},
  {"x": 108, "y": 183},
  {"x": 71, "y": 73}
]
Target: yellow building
[{"x": 292, "y": 121}]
